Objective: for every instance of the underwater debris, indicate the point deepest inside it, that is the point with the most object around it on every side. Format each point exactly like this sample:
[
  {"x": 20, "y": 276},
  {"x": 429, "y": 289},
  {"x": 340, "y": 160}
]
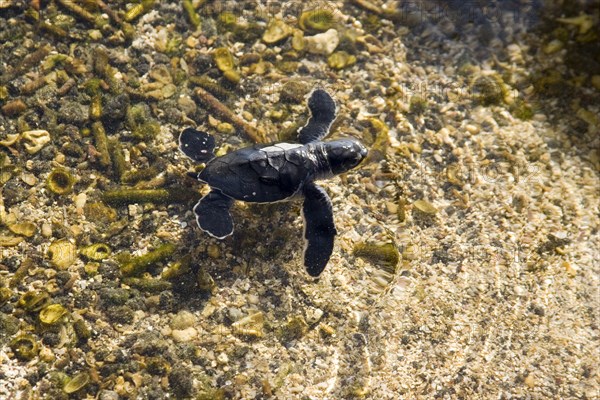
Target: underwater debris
[
  {"x": 221, "y": 110},
  {"x": 341, "y": 60},
  {"x": 29, "y": 62},
  {"x": 60, "y": 181},
  {"x": 95, "y": 19},
  {"x": 425, "y": 207},
  {"x": 137, "y": 265},
  {"x": 96, "y": 251},
  {"x": 138, "y": 9},
  {"x": 277, "y": 31},
  {"x": 33, "y": 301},
  {"x": 293, "y": 329},
  {"x": 384, "y": 255},
  {"x": 178, "y": 268},
  {"x": 318, "y": 20},
  {"x": 118, "y": 160},
  {"x": 37, "y": 139},
  {"x": 251, "y": 325},
  {"x": 191, "y": 13},
  {"x": 26, "y": 229},
  {"x": 52, "y": 314},
  {"x": 322, "y": 43},
  {"x": 148, "y": 284},
  {"x": 14, "y": 108},
  {"x": 101, "y": 143},
  {"x": 488, "y": 89},
  {"x": 156, "y": 196},
  {"x": 62, "y": 253},
  {"x": 77, "y": 383},
  {"x": 24, "y": 346}
]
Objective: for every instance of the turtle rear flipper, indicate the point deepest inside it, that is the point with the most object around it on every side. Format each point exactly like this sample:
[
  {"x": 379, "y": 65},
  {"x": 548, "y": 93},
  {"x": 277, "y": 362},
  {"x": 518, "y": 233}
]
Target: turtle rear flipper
[
  {"x": 319, "y": 228},
  {"x": 197, "y": 145},
  {"x": 212, "y": 214},
  {"x": 322, "y": 114}
]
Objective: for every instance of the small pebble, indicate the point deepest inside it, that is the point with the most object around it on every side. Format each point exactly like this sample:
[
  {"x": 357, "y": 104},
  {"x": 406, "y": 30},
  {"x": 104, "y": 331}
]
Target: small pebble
[
  {"x": 222, "y": 359},
  {"x": 29, "y": 179},
  {"x": 322, "y": 43},
  {"x": 46, "y": 230},
  {"x": 472, "y": 129},
  {"x": 134, "y": 209},
  {"x": 529, "y": 381},
  {"x": 184, "y": 319},
  {"x": 184, "y": 335},
  {"x": 213, "y": 251}
]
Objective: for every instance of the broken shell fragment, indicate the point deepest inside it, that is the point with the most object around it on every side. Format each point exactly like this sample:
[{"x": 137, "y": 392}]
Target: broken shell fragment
[
  {"x": 60, "y": 181},
  {"x": 276, "y": 31},
  {"x": 10, "y": 241},
  {"x": 26, "y": 229},
  {"x": 340, "y": 60},
  {"x": 33, "y": 301},
  {"x": 385, "y": 255},
  {"x": 37, "y": 139},
  {"x": 252, "y": 325},
  {"x": 318, "y": 20},
  {"x": 52, "y": 314},
  {"x": 77, "y": 383},
  {"x": 10, "y": 139},
  {"x": 425, "y": 207},
  {"x": 62, "y": 253},
  {"x": 224, "y": 59},
  {"x": 96, "y": 251},
  {"x": 322, "y": 43},
  {"x": 25, "y": 347}
]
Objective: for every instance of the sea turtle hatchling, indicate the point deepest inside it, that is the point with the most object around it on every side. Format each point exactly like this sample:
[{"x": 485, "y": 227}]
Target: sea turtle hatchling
[{"x": 266, "y": 173}]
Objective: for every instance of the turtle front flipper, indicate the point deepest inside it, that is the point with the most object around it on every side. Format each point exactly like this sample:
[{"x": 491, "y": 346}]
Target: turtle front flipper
[
  {"x": 212, "y": 214},
  {"x": 322, "y": 114},
  {"x": 197, "y": 145},
  {"x": 319, "y": 228}
]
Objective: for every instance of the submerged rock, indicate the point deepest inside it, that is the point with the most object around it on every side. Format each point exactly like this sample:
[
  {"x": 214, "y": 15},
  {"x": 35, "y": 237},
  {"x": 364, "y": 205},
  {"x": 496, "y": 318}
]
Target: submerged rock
[{"x": 322, "y": 43}]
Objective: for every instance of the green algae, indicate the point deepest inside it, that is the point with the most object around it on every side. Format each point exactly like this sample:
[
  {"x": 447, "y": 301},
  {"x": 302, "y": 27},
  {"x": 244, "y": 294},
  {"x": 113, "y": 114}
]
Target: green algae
[
  {"x": 138, "y": 265},
  {"x": 156, "y": 196}
]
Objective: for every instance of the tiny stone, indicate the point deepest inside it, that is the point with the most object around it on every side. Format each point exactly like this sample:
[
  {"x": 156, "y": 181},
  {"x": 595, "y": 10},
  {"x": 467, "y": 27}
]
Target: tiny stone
[
  {"x": 46, "y": 230},
  {"x": 184, "y": 319},
  {"x": 168, "y": 90},
  {"x": 425, "y": 207},
  {"x": 184, "y": 335},
  {"x": 225, "y": 127},
  {"x": 134, "y": 210},
  {"x": 187, "y": 105},
  {"x": 95, "y": 34},
  {"x": 322, "y": 43},
  {"x": 29, "y": 179},
  {"x": 213, "y": 251},
  {"x": 108, "y": 395},
  {"x": 529, "y": 381},
  {"x": 222, "y": 358},
  {"x": 472, "y": 129},
  {"x": 314, "y": 315},
  {"x": 46, "y": 354}
]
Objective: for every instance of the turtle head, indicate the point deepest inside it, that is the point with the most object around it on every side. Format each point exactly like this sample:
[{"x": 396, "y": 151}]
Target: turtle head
[{"x": 344, "y": 154}]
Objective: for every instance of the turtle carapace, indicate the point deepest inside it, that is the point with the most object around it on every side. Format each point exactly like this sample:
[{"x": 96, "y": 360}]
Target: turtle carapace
[{"x": 274, "y": 172}]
